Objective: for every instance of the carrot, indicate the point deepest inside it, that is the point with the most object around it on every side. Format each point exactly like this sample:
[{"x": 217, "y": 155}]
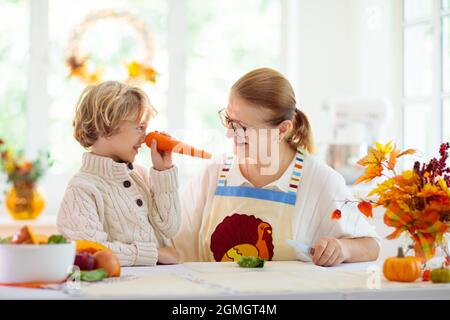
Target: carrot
[{"x": 165, "y": 143}]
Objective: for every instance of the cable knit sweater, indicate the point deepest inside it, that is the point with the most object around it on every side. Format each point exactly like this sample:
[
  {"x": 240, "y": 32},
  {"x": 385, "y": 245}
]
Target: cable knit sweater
[{"x": 122, "y": 207}]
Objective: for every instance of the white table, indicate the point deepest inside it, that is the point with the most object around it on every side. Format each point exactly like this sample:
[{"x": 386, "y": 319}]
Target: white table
[{"x": 388, "y": 290}]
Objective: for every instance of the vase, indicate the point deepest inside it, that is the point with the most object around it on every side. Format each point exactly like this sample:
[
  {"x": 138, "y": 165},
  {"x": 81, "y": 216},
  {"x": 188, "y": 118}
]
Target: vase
[{"x": 24, "y": 201}]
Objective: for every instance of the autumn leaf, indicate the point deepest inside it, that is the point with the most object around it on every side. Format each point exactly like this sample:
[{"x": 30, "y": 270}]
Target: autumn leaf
[
  {"x": 366, "y": 208},
  {"x": 336, "y": 215},
  {"x": 370, "y": 173},
  {"x": 443, "y": 184},
  {"x": 408, "y": 151},
  {"x": 382, "y": 187},
  {"x": 94, "y": 77},
  {"x": 373, "y": 158},
  {"x": 396, "y": 233},
  {"x": 393, "y": 159},
  {"x": 430, "y": 190},
  {"x": 150, "y": 74},
  {"x": 134, "y": 69},
  {"x": 385, "y": 149}
]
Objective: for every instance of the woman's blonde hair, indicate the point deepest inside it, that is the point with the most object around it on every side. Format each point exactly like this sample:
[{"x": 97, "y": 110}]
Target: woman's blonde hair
[
  {"x": 269, "y": 89},
  {"x": 102, "y": 108}
]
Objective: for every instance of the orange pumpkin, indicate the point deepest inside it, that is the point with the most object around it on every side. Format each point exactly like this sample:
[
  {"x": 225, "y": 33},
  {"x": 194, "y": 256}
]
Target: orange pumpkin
[
  {"x": 401, "y": 268},
  {"x": 89, "y": 246}
]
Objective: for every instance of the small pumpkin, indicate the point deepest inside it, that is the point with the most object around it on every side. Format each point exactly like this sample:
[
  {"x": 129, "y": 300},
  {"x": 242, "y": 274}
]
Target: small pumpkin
[
  {"x": 440, "y": 275},
  {"x": 401, "y": 268}
]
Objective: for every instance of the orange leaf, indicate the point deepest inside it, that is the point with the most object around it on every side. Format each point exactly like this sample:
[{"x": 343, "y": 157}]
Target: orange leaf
[
  {"x": 373, "y": 158},
  {"x": 393, "y": 159},
  {"x": 371, "y": 172},
  {"x": 336, "y": 215},
  {"x": 365, "y": 208},
  {"x": 409, "y": 151}
]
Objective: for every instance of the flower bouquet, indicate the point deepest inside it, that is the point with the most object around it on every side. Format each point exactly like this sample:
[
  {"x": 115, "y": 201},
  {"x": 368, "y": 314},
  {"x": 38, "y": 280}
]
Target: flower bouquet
[
  {"x": 417, "y": 200},
  {"x": 23, "y": 200}
]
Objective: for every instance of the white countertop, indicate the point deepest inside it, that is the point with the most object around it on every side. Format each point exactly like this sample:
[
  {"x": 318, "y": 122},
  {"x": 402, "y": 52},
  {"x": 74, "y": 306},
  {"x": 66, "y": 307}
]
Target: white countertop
[{"x": 334, "y": 281}]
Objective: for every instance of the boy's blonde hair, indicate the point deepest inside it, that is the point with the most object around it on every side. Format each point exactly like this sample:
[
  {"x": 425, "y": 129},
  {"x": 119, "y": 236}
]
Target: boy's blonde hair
[{"x": 102, "y": 108}]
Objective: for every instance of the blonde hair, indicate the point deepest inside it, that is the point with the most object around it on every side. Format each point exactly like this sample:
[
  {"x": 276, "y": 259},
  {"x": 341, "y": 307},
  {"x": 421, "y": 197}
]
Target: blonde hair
[
  {"x": 269, "y": 89},
  {"x": 102, "y": 108}
]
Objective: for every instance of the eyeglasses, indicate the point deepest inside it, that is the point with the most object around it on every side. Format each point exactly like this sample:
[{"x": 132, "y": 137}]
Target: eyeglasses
[{"x": 238, "y": 128}]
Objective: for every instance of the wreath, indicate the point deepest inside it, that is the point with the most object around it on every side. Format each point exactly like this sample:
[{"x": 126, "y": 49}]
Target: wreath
[{"x": 137, "y": 70}]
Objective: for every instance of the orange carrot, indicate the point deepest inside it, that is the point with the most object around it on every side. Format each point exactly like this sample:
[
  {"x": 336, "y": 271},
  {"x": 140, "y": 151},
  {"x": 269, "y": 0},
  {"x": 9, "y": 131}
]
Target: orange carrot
[{"x": 165, "y": 143}]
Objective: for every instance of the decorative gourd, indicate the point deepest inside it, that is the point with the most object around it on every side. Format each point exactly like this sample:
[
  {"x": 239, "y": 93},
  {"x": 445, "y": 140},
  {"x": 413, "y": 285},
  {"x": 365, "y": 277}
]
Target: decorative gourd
[
  {"x": 89, "y": 246},
  {"x": 401, "y": 268},
  {"x": 441, "y": 275}
]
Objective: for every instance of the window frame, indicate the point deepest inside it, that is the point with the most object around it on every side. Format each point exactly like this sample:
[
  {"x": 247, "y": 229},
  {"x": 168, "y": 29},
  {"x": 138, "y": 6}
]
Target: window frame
[
  {"x": 437, "y": 97},
  {"x": 38, "y": 111}
]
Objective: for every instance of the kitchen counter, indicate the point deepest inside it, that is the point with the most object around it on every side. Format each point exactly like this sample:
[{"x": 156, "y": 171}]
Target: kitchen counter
[{"x": 277, "y": 280}]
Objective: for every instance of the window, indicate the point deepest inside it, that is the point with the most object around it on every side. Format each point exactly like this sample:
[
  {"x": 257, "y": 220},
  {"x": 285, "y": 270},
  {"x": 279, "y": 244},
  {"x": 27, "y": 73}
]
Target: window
[
  {"x": 446, "y": 53},
  {"x": 447, "y": 123},
  {"x": 446, "y": 4},
  {"x": 202, "y": 47},
  {"x": 417, "y": 9},
  {"x": 13, "y": 70},
  {"x": 112, "y": 41},
  {"x": 426, "y": 74},
  {"x": 446, "y": 68},
  {"x": 224, "y": 42},
  {"x": 418, "y": 61}
]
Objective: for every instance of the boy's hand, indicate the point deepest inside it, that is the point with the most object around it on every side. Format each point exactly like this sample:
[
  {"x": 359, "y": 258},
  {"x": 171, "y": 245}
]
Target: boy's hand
[
  {"x": 329, "y": 252},
  {"x": 167, "y": 255},
  {"x": 162, "y": 160}
]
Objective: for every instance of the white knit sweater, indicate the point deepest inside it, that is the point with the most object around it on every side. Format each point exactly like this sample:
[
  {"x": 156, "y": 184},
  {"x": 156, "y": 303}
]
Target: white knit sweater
[{"x": 122, "y": 207}]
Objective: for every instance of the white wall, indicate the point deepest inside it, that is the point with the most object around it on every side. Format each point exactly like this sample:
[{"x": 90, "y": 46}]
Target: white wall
[
  {"x": 348, "y": 48},
  {"x": 332, "y": 48}
]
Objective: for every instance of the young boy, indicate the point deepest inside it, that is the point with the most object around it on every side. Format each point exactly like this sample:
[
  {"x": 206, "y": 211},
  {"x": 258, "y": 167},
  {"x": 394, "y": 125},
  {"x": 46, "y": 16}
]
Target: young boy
[{"x": 111, "y": 200}]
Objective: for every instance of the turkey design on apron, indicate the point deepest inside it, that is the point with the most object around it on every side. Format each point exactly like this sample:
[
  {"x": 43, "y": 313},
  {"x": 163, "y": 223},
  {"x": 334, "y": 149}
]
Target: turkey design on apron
[{"x": 249, "y": 221}]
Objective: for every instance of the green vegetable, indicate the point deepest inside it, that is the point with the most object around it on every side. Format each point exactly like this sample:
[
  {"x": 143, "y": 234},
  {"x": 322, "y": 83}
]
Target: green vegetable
[
  {"x": 5, "y": 240},
  {"x": 56, "y": 239},
  {"x": 90, "y": 276},
  {"x": 441, "y": 275},
  {"x": 251, "y": 262}
]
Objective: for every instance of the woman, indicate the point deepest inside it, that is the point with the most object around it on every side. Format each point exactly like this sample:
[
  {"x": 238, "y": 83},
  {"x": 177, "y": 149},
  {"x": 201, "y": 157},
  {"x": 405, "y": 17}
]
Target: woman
[{"x": 271, "y": 190}]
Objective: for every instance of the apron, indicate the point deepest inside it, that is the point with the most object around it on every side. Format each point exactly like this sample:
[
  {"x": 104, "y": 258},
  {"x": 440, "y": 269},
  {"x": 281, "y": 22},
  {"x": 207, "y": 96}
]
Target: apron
[{"x": 249, "y": 221}]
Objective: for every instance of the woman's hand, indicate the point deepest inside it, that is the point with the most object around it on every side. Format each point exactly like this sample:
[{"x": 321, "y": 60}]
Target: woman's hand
[
  {"x": 167, "y": 255},
  {"x": 329, "y": 252},
  {"x": 162, "y": 160}
]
